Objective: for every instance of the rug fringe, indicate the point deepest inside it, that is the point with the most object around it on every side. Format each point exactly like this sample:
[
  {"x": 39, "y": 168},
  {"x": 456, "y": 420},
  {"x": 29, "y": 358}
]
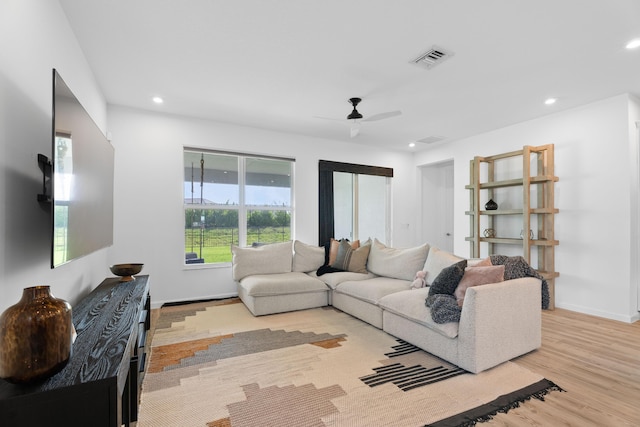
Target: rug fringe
[{"x": 502, "y": 409}]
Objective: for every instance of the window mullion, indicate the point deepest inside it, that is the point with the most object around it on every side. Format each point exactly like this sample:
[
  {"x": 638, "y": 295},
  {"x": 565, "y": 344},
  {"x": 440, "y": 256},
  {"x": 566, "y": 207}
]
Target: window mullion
[{"x": 242, "y": 211}]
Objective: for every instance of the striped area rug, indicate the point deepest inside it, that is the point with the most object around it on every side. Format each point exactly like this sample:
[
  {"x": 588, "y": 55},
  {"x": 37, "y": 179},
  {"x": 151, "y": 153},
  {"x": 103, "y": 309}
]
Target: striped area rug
[{"x": 214, "y": 364}]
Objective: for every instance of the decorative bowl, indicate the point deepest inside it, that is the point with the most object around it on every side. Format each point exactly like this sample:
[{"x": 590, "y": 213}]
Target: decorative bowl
[{"x": 126, "y": 271}]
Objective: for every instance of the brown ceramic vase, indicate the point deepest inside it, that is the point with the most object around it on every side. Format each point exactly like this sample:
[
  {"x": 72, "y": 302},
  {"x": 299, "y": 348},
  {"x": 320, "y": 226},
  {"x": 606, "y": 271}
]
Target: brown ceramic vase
[{"x": 35, "y": 337}]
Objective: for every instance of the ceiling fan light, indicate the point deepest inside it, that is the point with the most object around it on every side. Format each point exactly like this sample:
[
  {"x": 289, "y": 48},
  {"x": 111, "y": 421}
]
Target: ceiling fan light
[{"x": 355, "y": 128}]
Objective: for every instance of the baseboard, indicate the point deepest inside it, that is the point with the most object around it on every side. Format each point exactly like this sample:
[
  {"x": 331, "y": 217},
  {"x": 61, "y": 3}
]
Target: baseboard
[
  {"x": 167, "y": 303},
  {"x": 599, "y": 313}
]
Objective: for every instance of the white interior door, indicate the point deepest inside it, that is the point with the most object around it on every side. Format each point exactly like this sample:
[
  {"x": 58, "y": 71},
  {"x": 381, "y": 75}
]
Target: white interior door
[{"x": 437, "y": 205}]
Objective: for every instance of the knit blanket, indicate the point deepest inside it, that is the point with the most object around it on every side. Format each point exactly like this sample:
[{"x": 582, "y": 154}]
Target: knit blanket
[{"x": 441, "y": 299}]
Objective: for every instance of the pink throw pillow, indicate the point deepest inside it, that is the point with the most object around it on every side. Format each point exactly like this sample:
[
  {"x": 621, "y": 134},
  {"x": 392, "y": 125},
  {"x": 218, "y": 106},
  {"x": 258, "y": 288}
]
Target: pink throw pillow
[{"x": 475, "y": 276}]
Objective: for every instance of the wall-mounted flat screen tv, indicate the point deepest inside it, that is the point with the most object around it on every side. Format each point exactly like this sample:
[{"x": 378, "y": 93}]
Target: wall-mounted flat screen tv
[{"x": 82, "y": 180}]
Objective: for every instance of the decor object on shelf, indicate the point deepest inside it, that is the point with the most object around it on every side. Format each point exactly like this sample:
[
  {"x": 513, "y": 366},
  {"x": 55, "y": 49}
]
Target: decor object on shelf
[
  {"x": 491, "y": 205},
  {"x": 530, "y": 234},
  {"x": 126, "y": 271},
  {"x": 35, "y": 336},
  {"x": 489, "y": 232}
]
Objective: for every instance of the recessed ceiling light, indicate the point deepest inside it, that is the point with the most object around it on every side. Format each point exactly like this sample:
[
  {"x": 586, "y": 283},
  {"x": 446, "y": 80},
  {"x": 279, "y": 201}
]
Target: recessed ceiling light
[
  {"x": 550, "y": 101},
  {"x": 412, "y": 144},
  {"x": 633, "y": 44},
  {"x": 158, "y": 100}
]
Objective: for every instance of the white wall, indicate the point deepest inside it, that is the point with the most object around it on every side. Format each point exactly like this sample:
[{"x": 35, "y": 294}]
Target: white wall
[
  {"x": 149, "y": 224},
  {"x": 35, "y": 38},
  {"x": 592, "y": 151}
]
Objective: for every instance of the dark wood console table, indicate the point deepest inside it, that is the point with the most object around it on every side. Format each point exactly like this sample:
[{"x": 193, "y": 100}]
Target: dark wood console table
[{"x": 100, "y": 384}]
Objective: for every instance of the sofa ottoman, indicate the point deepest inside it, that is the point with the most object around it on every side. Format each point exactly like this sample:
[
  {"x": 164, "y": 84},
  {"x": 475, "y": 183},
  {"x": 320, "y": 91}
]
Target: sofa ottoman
[{"x": 281, "y": 292}]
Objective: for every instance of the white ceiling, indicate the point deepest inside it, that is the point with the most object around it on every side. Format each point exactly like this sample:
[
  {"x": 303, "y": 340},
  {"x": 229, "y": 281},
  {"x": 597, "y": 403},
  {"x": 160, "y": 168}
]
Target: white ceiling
[{"x": 287, "y": 65}]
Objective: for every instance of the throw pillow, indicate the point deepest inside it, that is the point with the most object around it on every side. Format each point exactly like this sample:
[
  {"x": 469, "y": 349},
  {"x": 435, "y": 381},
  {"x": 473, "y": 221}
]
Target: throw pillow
[
  {"x": 396, "y": 263},
  {"x": 267, "y": 259},
  {"x": 476, "y": 276},
  {"x": 350, "y": 259},
  {"x": 306, "y": 257},
  {"x": 333, "y": 249},
  {"x": 448, "y": 279},
  {"x": 436, "y": 262}
]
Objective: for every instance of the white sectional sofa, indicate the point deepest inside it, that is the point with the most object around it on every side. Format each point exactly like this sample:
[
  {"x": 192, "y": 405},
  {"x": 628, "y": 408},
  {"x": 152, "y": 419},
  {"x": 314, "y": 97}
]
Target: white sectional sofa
[{"x": 497, "y": 321}]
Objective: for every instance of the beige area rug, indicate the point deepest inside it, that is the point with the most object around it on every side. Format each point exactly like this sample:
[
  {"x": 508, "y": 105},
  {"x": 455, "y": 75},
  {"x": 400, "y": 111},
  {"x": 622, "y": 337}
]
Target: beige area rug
[{"x": 214, "y": 364}]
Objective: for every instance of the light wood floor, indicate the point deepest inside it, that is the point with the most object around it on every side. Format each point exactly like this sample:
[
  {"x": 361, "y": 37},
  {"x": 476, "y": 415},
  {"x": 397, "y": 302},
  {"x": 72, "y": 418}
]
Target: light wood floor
[{"x": 597, "y": 362}]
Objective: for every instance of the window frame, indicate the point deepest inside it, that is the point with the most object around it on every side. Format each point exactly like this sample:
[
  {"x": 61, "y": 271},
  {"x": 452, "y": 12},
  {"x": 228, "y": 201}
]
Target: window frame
[{"x": 241, "y": 206}]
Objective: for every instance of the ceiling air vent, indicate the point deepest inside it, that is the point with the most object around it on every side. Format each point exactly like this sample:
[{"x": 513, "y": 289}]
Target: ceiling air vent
[
  {"x": 432, "y": 139},
  {"x": 432, "y": 57}
]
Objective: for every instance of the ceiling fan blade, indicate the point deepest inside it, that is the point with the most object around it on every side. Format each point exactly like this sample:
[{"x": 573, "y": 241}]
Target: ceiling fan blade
[
  {"x": 355, "y": 129},
  {"x": 382, "y": 116},
  {"x": 329, "y": 118}
]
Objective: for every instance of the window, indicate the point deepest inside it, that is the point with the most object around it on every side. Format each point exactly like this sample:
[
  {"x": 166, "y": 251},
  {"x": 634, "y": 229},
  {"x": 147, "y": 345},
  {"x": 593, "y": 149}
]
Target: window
[
  {"x": 360, "y": 206},
  {"x": 234, "y": 199},
  {"x": 354, "y": 201}
]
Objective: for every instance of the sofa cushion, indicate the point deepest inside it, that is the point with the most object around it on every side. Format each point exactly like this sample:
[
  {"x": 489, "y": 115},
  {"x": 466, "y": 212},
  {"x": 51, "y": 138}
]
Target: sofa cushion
[
  {"x": 266, "y": 259},
  {"x": 371, "y": 290},
  {"x": 334, "y": 279},
  {"x": 476, "y": 276},
  {"x": 306, "y": 257},
  {"x": 410, "y": 305},
  {"x": 436, "y": 261},
  {"x": 261, "y": 285},
  {"x": 396, "y": 263},
  {"x": 350, "y": 259}
]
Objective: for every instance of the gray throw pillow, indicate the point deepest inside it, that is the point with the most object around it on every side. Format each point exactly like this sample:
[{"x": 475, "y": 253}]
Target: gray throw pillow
[
  {"x": 448, "y": 279},
  {"x": 349, "y": 259}
]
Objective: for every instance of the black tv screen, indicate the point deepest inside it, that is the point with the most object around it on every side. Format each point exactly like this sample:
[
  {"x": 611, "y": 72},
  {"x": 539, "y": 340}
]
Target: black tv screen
[{"x": 82, "y": 189}]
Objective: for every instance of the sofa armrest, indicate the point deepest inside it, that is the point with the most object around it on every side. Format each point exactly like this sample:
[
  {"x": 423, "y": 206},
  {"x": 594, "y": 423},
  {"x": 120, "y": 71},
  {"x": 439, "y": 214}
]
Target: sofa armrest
[{"x": 499, "y": 321}]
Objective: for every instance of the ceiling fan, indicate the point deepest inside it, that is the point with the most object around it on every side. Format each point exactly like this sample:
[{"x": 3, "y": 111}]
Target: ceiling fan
[{"x": 355, "y": 118}]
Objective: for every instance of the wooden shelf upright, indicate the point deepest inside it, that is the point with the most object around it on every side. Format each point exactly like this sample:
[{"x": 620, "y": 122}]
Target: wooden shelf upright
[{"x": 537, "y": 210}]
